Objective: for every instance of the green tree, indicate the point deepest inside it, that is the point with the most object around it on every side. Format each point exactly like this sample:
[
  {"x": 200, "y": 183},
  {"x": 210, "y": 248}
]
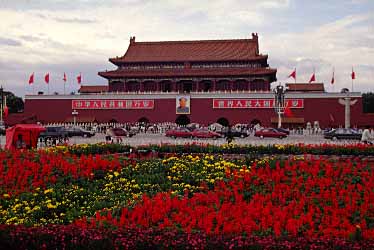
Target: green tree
[
  {"x": 14, "y": 103},
  {"x": 368, "y": 102}
]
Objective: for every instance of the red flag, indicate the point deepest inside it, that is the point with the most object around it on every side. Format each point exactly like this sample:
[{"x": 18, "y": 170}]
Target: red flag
[
  {"x": 64, "y": 77},
  {"x": 293, "y": 74},
  {"x": 46, "y": 78},
  {"x": 79, "y": 78},
  {"x": 353, "y": 75},
  {"x": 288, "y": 112},
  {"x": 31, "y": 79},
  {"x": 313, "y": 78},
  {"x": 6, "y": 111},
  {"x": 332, "y": 118},
  {"x": 333, "y": 77}
]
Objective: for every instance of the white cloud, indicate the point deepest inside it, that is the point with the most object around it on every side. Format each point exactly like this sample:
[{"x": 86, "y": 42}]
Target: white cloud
[{"x": 341, "y": 44}]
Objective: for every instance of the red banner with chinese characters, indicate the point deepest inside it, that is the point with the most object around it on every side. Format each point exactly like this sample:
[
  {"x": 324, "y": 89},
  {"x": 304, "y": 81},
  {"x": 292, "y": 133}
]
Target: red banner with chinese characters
[
  {"x": 254, "y": 103},
  {"x": 113, "y": 104}
]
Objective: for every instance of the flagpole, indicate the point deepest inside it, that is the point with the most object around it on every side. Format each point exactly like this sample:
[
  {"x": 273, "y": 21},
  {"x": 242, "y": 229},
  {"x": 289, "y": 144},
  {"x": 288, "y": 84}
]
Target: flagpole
[
  {"x": 352, "y": 85},
  {"x": 352, "y": 79},
  {"x": 1, "y": 113},
  {"x": 333, "y": 77}
]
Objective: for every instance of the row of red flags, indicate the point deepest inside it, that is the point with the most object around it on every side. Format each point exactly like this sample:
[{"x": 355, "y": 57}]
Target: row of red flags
[
  {"x": 46, "y": 78},
  {"x": 313, "y": 77}
]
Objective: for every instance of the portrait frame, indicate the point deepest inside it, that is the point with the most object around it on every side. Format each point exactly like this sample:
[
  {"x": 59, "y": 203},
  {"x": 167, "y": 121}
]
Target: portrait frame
[{"x": 183, "y": 104}]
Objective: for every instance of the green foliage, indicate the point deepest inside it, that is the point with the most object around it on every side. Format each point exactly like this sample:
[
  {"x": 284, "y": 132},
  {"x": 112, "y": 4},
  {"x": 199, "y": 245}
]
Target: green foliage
[
  {"x": 368, "y": 102},
  {"x": 15, "y": 104}
]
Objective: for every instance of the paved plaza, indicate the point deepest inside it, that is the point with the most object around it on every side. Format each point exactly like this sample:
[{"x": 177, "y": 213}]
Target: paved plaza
[{"x": 145, "y": 139}]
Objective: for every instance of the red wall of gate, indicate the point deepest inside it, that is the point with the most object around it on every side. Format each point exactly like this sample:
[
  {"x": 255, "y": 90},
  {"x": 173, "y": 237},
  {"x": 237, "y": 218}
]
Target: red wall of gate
[{"x": 325, "y": 110}]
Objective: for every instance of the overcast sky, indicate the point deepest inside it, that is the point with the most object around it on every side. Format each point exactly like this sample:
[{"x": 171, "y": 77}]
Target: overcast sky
[{"x": 58, "y": 36}]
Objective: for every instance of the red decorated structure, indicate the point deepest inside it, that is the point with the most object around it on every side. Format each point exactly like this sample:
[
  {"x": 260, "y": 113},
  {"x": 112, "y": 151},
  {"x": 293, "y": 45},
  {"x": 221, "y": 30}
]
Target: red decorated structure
[
  {"x": 214, "y": 80},
  {"x": 191, "y": 66}
]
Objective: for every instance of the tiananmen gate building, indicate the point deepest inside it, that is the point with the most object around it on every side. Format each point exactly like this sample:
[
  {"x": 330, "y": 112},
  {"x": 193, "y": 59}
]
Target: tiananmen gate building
[{"x": 204, "y": 81}]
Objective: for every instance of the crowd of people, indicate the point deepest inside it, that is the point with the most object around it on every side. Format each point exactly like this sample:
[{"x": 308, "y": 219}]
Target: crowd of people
[{"x": 161, "y": 128}]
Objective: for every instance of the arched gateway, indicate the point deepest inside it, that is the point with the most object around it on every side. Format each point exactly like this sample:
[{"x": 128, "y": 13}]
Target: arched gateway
[
  {"x": 223, "y": 121},
  {"x": 182, "y": 120}
]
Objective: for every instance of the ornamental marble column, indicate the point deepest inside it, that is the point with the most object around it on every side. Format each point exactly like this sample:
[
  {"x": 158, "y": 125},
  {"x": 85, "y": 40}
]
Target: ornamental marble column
[
  {"x": 158, "y": 86},
  {"x": 347, "y": 102},
  {"x": 174, "y": 86},
  {"x": 141, "y": 86},
  {"x": 231, "y": 85},
  {"x": 124, "y": 86}
]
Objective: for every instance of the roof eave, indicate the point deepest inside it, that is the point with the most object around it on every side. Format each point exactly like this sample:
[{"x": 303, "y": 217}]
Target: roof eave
[{"x": 118, "y": 61}]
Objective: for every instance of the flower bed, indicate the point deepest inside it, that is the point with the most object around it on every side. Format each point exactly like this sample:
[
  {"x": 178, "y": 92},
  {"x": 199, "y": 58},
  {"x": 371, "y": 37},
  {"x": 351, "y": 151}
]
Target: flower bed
[
  {"x": 188, "y": 201},
  {"x": 317, "y": 199},
  {"x": 254, "y": 150},
  {"x": 75, "y": 237},
  {"x": 58, "y": 189}
]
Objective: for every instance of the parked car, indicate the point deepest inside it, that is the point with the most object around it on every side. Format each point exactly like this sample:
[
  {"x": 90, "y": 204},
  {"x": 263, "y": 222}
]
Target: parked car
[
  {"x": 121, "y": 132},
  {"x": 205, "y": 133},
  {"x": 54, "y": 132},
  {"x": 270, "y": 132},
  {"x": 343, "y": 134},
  {"x": 179, "y": 132},
  {"x": 283, "y": 130},
  {"x": 234, "y": 132},
  {"x": 192, "y": 126},
  {"x": 77, "y": 131}
]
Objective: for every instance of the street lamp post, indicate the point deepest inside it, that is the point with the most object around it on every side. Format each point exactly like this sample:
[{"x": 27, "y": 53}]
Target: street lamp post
[
  {"x": 75, "y": 114},
  {"x": 1, "y": 105},
  {"x": 279, "y": 103}
]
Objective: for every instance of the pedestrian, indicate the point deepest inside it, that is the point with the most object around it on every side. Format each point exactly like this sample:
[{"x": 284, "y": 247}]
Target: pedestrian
[
  {"x": 20, "y": 143},
  {"x": 366, "y": 136},
  {"x": 229, "y": 136}
]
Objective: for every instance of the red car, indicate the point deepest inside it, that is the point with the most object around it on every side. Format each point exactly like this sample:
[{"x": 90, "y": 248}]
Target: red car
[
  {"x": 121, "y": 132},
  {"x": 205, "y": 133},
  {"x": 179, "y": 132},
  {"x": 270, "y": 132}
]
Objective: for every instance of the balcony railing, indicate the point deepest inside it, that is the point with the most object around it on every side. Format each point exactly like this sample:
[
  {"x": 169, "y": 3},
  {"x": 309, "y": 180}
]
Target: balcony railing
[{"x": 176, "y": 92}]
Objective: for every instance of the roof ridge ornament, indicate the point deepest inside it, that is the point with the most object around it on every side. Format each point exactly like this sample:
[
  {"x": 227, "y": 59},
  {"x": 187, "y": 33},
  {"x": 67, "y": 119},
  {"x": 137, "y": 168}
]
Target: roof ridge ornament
[
  {"x": 254, "y": 36},
  {"x": 255, "y": 39},
  {"x": 132, "y": 39}
]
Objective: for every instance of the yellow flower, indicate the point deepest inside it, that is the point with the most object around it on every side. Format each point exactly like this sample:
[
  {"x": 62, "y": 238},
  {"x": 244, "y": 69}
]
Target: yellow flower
[
  {"x": 48, "y": 191},
  {"x": 6, "y": 195},
  {"x": 36, "y": 208},
  {"x": 116, "y": 173},
  {"x": 50, "y": 206}
]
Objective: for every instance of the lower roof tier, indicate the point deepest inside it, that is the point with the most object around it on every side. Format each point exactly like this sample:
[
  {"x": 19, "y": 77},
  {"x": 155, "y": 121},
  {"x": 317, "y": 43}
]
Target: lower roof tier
[{"x": 190, "y": 72}]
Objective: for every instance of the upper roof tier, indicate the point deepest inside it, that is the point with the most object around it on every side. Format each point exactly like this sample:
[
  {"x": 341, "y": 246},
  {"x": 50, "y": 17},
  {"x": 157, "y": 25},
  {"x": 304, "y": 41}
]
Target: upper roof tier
[{"x": 191, "y": 51}]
